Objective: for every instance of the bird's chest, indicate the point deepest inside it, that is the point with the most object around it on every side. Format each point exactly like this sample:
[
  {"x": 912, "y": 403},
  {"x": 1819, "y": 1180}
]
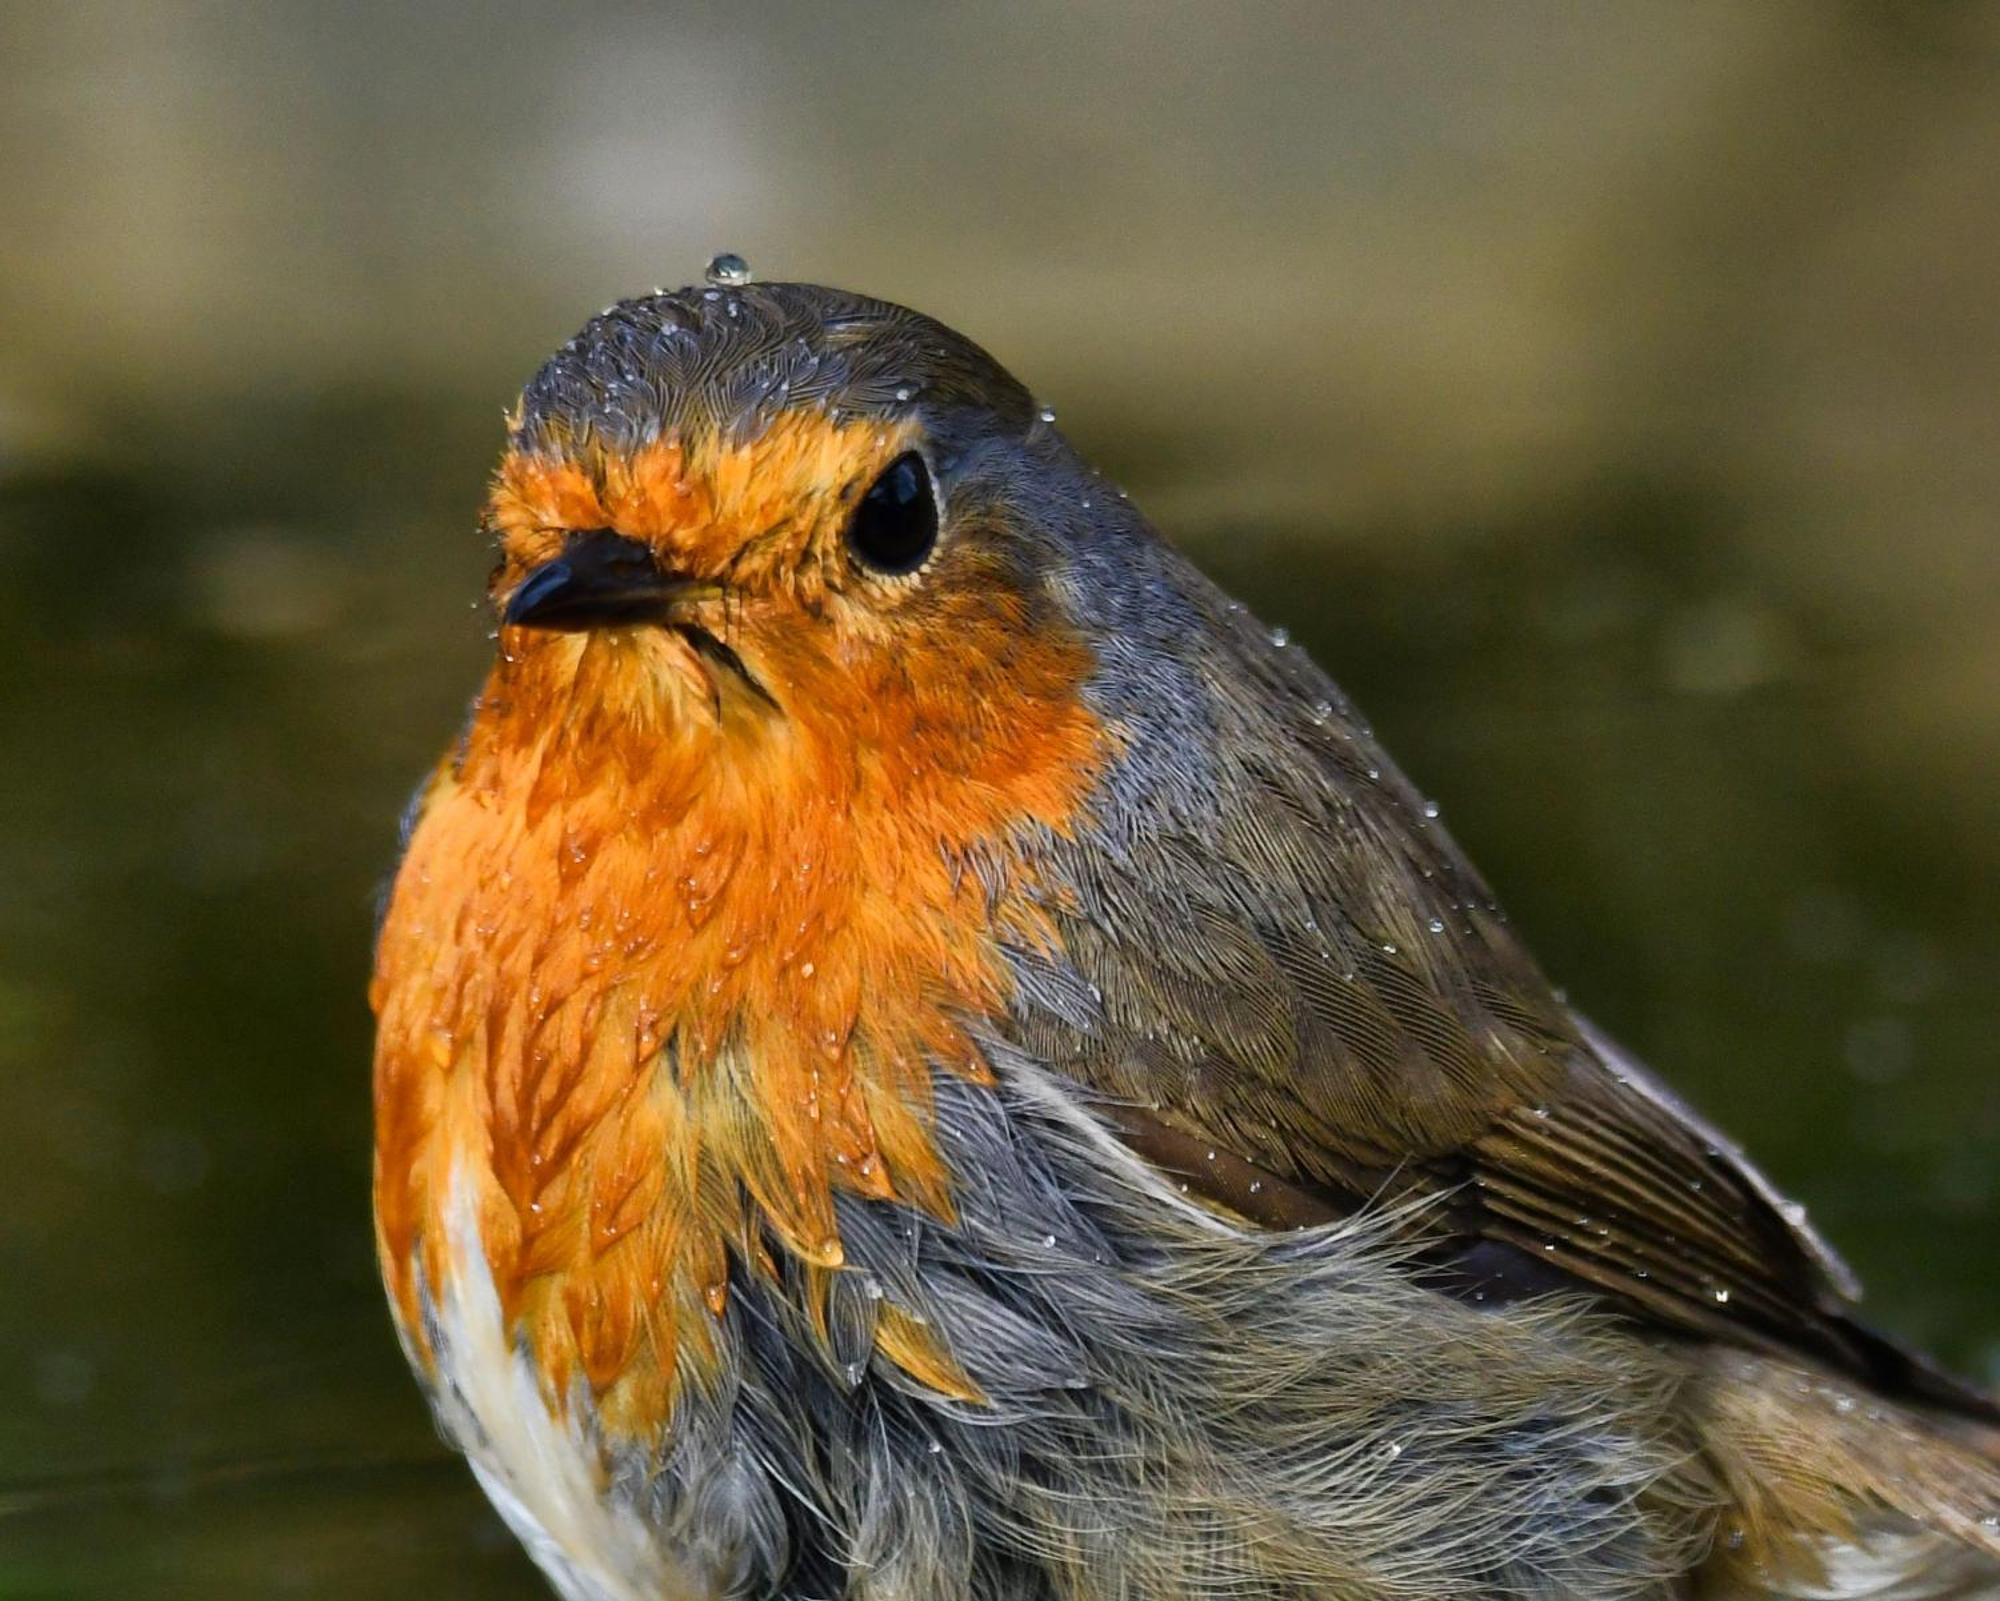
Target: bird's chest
[
  {"x": 542, "y": 1457},
  {"x": 640, "y": 1039},
  {"x": 686, "y": 1489},
  {"x": 647, "y": 1023}
]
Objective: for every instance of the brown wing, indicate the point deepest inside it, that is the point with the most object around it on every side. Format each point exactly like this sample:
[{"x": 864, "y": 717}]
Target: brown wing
[{"x": 1284, "y": 984}]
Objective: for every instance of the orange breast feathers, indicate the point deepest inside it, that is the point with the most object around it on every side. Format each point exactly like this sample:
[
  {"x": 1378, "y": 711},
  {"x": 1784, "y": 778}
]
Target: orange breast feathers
[{"x": 667, "y": 965}]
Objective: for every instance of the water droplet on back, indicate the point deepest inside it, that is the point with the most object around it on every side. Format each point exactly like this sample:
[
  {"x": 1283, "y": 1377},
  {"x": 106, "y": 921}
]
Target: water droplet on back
[{"x": 728, "y": 270}]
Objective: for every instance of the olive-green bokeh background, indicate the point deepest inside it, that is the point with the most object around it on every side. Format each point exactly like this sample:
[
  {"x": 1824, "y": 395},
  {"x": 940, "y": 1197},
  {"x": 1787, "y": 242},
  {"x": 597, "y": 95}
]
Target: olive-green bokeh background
[{"x": 1609, "y": 394}]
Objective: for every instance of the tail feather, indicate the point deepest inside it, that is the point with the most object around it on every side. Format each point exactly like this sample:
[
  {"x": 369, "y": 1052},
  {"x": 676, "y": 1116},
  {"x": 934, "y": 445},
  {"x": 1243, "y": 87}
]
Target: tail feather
[
  {"x": 1893, "y": 1562},
  {"x": 1840, "y": 1495}
]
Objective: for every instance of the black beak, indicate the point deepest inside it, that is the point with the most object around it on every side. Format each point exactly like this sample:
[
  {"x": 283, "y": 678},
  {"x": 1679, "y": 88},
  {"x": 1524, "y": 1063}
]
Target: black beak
[{"x": 601, "y": 580}]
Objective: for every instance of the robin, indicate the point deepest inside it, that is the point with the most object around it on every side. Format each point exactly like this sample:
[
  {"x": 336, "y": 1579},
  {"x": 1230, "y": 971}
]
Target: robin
[{"x": 924, "y": 1055}]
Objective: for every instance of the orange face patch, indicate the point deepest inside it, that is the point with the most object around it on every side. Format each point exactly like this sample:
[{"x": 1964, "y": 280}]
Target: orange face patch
[
  {"x": 665, "y": 966},
  {"x": 767, "y": 516}
]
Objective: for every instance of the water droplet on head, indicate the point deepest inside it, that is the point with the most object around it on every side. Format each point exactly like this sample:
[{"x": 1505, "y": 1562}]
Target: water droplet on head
[
  {"x": 904, "y": 391},
  {"x": 1047, "y": 414},
  {"x": 1281, "y": 637},
  {"x": 728, "y": 270},
  {"x": 1430, "y": 808},
  {"x": 1437, "y": 925}
]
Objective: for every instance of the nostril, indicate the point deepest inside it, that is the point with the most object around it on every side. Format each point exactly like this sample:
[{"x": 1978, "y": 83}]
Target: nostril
[{"x": 610, "y": 549}]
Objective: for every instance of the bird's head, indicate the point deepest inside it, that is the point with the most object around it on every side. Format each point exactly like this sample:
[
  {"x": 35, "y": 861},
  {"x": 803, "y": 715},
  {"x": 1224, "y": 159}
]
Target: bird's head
[{"x": 727, "y": 509}]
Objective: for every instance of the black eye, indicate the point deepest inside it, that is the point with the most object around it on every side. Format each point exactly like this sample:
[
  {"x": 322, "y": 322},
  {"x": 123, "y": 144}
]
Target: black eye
[{"x": 896, "y": 523}]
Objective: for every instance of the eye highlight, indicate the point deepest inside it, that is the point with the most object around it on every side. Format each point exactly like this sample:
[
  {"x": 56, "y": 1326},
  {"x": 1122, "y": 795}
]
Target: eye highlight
[{"x": 895, "y": 525}]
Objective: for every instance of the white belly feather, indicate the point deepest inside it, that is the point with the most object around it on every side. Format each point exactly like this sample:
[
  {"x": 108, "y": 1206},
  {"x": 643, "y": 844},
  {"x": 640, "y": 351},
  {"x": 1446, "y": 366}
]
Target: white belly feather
[{"x": 544, "y": 1473}]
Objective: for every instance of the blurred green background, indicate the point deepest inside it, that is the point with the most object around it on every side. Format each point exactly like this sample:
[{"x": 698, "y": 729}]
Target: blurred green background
[{"x": 1608, "y": 394}]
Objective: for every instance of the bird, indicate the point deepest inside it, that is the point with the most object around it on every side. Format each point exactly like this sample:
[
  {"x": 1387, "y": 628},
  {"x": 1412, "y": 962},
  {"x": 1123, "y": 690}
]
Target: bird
[{"x": 922, "y": 1052}]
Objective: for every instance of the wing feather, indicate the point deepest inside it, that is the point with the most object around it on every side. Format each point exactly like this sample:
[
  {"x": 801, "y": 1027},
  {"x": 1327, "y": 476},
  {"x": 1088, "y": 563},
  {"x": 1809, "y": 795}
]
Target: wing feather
[{"x": 1282, "y": 981}]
